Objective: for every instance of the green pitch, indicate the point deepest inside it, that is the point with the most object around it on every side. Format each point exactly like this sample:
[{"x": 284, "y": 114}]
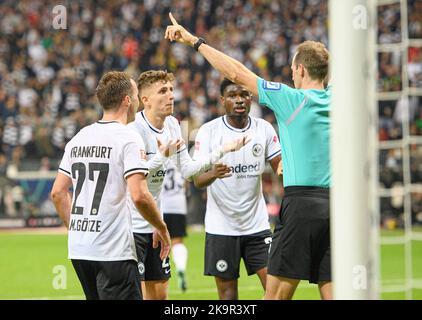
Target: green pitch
[{"x": 36, "y": 267}]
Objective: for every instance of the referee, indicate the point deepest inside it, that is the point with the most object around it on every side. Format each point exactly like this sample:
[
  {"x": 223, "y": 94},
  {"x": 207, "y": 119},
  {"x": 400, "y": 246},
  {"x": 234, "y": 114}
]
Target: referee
[{"x": 301, "y": 243}]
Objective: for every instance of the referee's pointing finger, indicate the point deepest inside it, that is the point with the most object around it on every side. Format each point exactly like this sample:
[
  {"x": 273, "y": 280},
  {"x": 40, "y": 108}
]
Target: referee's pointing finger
[{"x": 173, "y": 20}]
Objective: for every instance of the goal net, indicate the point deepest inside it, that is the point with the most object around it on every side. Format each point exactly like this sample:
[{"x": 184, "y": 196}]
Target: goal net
[
  {"x": 399, "y": 109},
  {"x": 376, "y": 202}
]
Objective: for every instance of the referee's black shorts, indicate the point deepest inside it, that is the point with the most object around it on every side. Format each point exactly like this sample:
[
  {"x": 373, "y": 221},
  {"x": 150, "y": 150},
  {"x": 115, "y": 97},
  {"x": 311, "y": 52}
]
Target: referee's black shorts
[{"x": 301, "y": 242}]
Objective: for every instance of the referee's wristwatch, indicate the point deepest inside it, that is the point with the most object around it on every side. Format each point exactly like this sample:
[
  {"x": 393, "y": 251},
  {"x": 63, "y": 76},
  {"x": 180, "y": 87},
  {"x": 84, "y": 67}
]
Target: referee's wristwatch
[{"x": 198, "y": 43}]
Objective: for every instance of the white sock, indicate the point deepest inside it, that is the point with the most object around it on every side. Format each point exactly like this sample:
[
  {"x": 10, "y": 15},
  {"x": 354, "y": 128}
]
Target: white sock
[{"x": 180, "y": 256}]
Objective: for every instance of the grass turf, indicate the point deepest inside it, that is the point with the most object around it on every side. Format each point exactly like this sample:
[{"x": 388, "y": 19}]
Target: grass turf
[{"x": 28, "y": 260}]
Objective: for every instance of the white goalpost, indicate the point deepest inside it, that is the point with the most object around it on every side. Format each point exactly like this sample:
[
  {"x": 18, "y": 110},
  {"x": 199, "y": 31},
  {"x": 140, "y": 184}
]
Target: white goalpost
[
  {"x": 353, "y": 220},
  {"x": 356, "y": 190}
]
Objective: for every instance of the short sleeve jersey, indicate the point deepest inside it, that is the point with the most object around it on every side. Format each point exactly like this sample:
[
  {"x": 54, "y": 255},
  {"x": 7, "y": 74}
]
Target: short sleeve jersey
[
  {"x": 149, "y": 134},
  {"x": 236, "y": 205},
  {"x": 98, "y": 160},
  {"x": 303, "y": 118}
]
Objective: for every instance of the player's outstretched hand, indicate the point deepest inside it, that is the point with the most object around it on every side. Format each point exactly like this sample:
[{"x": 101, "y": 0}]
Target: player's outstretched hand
[
  {"x": 235, "y": 145},
  {"x": 170, "y": 148},
  {"x": 220, "y": 171},
  {"x": 176, "y": 32},
  {"x": 162, "y": 238}
]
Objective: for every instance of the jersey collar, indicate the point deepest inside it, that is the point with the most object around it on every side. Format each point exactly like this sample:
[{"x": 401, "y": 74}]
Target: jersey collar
[
  {"x": 107, "y": 122},
  {"x": 150, "y": 125},
  {"x": 226, "y": 123}
]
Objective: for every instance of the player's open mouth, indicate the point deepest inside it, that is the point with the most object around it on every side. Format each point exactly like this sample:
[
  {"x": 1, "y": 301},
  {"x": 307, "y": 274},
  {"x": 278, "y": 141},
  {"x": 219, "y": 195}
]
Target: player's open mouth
[{"x": 241, "y": 109}]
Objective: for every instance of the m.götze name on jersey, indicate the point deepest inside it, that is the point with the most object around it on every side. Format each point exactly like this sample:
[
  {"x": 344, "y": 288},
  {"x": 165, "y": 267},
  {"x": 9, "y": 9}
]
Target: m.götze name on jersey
[{"x": 85, "y": 225}]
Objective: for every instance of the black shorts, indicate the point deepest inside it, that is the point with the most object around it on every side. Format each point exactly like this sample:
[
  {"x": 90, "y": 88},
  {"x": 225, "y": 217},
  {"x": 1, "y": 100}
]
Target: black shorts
[
  {"x": 223, "y": 254},
  {"x": 109, "y": 280},
  {"x": 176, "y": 224},
  {"x": 150, "y": 266},
  {"x": 301, "y": 242}
]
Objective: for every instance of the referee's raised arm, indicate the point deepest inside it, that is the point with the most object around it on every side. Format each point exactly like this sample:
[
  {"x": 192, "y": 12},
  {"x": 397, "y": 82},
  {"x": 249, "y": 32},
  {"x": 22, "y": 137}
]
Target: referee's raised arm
[
  {"x": 229, "y": 67},
  {"x": 300, "y": 249}
]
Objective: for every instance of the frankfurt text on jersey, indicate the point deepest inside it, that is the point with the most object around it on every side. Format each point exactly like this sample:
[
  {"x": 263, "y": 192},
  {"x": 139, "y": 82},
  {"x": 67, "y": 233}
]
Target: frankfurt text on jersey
[{"x": 91, "y": 152}]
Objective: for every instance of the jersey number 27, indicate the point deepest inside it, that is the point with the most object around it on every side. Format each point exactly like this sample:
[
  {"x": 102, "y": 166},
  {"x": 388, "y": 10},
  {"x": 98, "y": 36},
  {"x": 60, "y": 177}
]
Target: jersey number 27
[{"x": 80, "y": 168}]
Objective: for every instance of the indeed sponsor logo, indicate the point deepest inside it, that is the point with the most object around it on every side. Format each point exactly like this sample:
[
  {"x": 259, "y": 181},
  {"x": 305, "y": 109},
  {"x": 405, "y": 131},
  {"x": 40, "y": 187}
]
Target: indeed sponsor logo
[
  {"x": 239, "y": 168},
  {"x": 159, "y": 173}
]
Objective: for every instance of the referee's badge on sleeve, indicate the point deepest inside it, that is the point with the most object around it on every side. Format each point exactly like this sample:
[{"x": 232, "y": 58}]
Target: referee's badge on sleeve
[{"x": 268, "y": 85}]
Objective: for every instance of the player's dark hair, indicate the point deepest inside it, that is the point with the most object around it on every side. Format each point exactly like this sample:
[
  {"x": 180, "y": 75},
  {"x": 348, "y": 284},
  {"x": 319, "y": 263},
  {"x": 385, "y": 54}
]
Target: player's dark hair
[
  {"x": 113, "y": 87},
  {"x": 224, "y": 84}
]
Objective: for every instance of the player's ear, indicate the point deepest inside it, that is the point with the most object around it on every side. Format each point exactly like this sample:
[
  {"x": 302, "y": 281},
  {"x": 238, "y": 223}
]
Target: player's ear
[
  {"x": 127, "y": 100},
  {"x": 144, "y": 100},
  {"x": 302, "y": 70}
]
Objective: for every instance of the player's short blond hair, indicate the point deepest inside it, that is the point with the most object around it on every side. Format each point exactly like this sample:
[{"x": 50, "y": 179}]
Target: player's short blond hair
[
  {"x": 112, "y": 88},
  {"x": 314, "y": 56},
  {"x": 150, "y": 77}
]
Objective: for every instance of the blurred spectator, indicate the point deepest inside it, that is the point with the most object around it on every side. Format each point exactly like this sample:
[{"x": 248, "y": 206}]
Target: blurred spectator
[
  {"x": 389, "y": 129},
  {"x": 389, "y": 28},
  {"x": 405, "y": 110},
  {"x": 389, "y": 71},
  {"x": 415, "y": 18},
  {"x": 3, "y": 183},
  {"x": 417, "y": 208},
  {"x": 392, "y": 209},
  {"x": 45, "y": 165},
  {"x": 416, "y": 163},
  {"x": 414, "y": 67},
  {"x": 416, "y": 126},
  {"x": 391, "y": 168}
]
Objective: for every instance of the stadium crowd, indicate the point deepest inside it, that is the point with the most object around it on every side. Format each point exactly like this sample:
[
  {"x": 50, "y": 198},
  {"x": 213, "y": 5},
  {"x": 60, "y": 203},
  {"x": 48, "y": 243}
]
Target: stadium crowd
[{"x": 48, "y": 76}]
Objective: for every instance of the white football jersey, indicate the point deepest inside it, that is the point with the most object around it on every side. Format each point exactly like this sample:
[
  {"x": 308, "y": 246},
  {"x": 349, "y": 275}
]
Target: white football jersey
[
  {"x": 98, "y": 160},
  {"x": 173, "y": 193},
  {"x": 150, "y": 134},
  {"x": 236, "y": 205},
  {"x": 157, "y": 164}
]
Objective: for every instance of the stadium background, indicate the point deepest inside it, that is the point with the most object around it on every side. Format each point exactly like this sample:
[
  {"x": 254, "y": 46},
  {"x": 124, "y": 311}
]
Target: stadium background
[{"x": 47, "y": 93}]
